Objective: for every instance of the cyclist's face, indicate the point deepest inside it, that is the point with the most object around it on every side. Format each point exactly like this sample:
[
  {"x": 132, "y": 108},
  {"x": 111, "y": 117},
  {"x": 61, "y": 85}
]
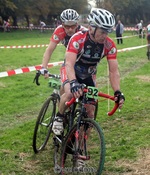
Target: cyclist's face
[
  {"x": 70, "y": 29},
  {"x": 100, "y": 35}
]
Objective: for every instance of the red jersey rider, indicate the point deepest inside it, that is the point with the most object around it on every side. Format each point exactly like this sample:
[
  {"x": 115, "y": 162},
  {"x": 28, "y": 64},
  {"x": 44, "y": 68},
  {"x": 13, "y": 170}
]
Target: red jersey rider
[
  {"x": 62, "y": 33},
  {"x": 84, "y": 51}
]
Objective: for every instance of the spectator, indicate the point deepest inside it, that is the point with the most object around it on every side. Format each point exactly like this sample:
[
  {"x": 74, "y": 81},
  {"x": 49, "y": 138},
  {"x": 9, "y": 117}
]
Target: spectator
[
  {"x": 6, "y": 26},
  {"x": 31, "y": 27},
  {"x": 119, "y": 32},
  {"x": 140, "y": 29},
  {"x": 42, "y": 26}
]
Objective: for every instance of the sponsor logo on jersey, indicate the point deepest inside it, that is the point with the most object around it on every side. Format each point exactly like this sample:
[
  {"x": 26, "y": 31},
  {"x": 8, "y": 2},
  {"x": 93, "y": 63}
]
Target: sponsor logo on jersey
[
  {"x": 76, "y": 45},
  {"x": 87, "y": 52},
  {"x": 55, "y": 37},
  {"x": 112, "y": 51},
  {"x": 81, "y": 40},
  {"x": 96, "y": 55},
  {"x": 91, "y": 69},
  {"x": 89, "y": 46},
  {"x": 107, "y": 44}
]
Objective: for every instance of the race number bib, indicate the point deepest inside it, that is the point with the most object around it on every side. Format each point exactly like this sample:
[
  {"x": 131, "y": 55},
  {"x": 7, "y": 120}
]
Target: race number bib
[
  {"x": 54, "y": 83},
  {"x": 92, "y": 92}
]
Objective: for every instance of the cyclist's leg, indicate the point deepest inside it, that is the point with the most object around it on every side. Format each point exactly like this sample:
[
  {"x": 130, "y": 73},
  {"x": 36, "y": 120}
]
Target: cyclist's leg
[
  {"x": 65, "y": 96},
  {"x": 65, "y": 90},
  {"x": 90, "y": 109}
]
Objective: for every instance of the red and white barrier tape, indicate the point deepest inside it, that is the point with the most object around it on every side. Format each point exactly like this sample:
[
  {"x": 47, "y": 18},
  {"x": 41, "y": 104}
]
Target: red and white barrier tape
[
  {"x": 132, "y": 48},
  {"x": 126, "y": 37},
  {"x": 23, "y": 47},
  {"x": 40, "y": 45},
  {"x": 51, "y": 28},
  {"x": 27, "y": 69},
  {"x": 132, "y": 28},
  {"x": 23, "y": 27},
  {"x": 33, "y": 68}
]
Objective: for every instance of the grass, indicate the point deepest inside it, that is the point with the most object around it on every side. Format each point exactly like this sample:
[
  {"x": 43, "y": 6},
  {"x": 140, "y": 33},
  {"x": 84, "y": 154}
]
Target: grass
[{"x": 126, "y": 132}]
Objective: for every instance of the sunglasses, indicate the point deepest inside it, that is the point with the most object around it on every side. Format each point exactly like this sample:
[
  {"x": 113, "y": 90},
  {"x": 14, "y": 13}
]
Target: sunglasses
[{"x": 68, "y": 27}]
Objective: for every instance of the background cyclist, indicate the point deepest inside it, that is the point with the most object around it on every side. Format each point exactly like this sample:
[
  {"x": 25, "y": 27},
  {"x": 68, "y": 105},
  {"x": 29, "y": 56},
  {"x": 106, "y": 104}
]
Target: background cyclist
[{"x": 62, "y": 33}]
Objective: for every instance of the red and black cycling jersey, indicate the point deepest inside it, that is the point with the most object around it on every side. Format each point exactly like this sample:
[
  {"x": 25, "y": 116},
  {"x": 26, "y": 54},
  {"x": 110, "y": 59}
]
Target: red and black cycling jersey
[
  {"x": 60, "y": 35},
  {"x": 89, "y": 53}
]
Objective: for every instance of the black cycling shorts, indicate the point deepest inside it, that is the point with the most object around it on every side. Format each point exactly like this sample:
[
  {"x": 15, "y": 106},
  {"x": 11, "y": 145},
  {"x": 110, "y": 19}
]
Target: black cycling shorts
[
  {"x": 148, "y": 37},
  {"x": 89, "y": 82}
]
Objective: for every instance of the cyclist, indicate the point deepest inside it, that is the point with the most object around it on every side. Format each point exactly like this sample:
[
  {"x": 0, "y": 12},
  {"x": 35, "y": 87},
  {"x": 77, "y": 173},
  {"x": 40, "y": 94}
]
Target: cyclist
[
  {"x": 62, "y": 33},
  {"x": 148, "y": 39},
  {"x": 84, "y": 51}
]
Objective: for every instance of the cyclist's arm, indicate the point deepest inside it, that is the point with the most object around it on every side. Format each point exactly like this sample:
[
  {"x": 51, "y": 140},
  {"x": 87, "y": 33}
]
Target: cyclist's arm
[
  {"x": 48, "y": 52},
  {"x": 114, "y": 75},
  {"x": 70, "y": 62},
  {"x": 115, "y": 78},
  {"x": 74, "y": 85}
]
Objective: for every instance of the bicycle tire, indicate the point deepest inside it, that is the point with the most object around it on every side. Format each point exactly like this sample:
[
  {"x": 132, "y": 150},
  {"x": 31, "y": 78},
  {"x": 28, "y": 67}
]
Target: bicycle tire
[
  {"x": 94, "y": 152},
  {"x": 43, "y": 126}
]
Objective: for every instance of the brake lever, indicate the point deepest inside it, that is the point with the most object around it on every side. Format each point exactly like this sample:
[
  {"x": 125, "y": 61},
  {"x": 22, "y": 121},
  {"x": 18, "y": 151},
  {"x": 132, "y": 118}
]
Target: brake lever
[{"x": 36, "y": 79}]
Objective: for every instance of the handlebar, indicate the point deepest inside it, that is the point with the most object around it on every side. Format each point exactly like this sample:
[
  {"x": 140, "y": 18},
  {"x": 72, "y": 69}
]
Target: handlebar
[
  {"x": 100, "y": 94},
  {"x": 38, "y": 73}
]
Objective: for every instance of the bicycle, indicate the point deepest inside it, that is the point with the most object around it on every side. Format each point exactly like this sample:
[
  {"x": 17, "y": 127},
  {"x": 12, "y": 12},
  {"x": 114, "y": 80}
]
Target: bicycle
[
  {"x": 83, "y": 150},
  {"x": 47, "y": 113},
  {"x": 45, "y": 119},
  {"x": 43, "y": 127}
]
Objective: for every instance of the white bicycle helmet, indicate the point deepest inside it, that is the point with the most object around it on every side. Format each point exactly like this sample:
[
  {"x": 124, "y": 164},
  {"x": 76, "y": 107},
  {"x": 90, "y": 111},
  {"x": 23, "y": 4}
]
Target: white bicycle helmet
[
  {"x": 69, "y": 16},
  {"x": 101, "y": 18}
]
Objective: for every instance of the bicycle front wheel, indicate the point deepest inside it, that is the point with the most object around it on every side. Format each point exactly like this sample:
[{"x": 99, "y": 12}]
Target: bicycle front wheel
[
  {"x": 83, "y": 150},
  {"x": 43, "y": 126}
]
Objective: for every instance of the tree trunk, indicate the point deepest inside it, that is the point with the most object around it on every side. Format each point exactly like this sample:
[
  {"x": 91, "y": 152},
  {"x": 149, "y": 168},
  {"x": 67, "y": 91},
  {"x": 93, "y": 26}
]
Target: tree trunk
[{"x": 27, "y": 19}]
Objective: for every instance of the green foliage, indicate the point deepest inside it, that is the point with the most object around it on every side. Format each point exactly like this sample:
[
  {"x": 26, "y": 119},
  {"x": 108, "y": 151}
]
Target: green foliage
[
  {"x": 130, "y": 11},
  {"x": 6, "y": 4},
  {"x": 39, "y": 9},
  {"x": 126, "y": 132}
]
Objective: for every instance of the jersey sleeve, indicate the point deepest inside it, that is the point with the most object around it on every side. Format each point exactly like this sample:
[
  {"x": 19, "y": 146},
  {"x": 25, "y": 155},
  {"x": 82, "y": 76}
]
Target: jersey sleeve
[
  {"x": 74, "y": 45},
  {"x": 110, "y": 49},
  {"x": 58, "y": 35}
]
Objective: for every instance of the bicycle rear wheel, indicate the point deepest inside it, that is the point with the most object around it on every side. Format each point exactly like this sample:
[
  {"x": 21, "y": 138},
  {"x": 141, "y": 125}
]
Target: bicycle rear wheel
[
  {"x": 43, "y": 126},
  {"x": 83, "y": 150}
]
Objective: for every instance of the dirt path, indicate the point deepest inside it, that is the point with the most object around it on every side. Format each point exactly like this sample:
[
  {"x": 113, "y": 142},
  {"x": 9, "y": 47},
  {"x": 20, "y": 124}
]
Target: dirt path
[{"x": 139, "y": 167}]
